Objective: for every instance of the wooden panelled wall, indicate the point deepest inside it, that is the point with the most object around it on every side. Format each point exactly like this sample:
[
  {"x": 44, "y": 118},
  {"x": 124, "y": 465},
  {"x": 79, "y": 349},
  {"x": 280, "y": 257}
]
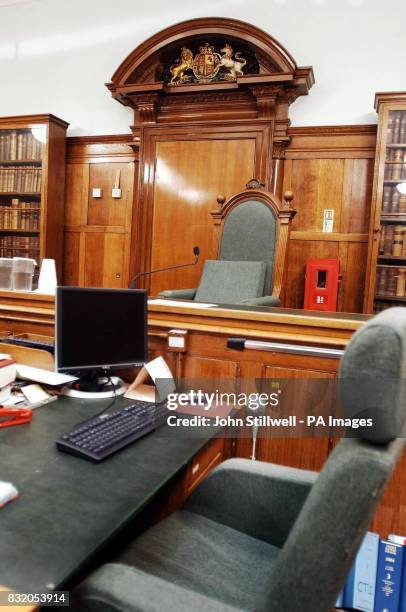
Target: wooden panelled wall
[
  {"x": 325, "y": 167},
  {"x": 98, "y": 231},
  {"x": 330, "y": 168}
]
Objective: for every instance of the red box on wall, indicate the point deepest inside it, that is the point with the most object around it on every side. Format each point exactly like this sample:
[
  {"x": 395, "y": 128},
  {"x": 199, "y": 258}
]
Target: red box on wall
[{"x": 321, "y": 287}]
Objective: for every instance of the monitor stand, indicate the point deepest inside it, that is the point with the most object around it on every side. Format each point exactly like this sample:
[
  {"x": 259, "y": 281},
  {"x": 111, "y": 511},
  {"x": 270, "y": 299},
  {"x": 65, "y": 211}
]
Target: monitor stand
[{"x": 94, "y": 384}]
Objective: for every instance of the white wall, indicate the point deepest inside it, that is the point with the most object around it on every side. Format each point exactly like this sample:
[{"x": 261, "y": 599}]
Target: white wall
[{"x": 56, "y": 55}]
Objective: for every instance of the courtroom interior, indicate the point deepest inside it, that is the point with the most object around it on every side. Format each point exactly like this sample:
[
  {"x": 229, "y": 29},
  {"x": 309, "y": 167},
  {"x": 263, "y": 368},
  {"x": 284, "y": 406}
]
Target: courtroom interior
[{"x": 198, "y": 213}]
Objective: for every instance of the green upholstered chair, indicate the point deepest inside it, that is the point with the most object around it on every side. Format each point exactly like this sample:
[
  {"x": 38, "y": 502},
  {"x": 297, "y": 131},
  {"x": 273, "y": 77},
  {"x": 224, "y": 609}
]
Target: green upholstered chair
[
  {"x": 262, "y": 537},
  {"x": 252, "y": 227}
]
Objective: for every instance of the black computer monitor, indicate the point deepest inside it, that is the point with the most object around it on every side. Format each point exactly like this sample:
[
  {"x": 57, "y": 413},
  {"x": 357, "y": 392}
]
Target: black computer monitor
[{"x": 99, "y": 329}]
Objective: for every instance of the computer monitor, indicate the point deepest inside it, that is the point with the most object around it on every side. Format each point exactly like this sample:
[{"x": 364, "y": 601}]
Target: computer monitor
[{"x": 98, "y": 330}]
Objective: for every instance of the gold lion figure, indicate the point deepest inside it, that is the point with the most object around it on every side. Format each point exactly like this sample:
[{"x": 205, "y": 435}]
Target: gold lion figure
[{"x": 178, "y": 70}]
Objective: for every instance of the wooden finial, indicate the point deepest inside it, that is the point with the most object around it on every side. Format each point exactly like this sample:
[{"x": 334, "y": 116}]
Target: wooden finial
[
  {"x": 254, "y": 184},
  {"x": 220, "y": 200},
  {"x": 288, "y": 197}
]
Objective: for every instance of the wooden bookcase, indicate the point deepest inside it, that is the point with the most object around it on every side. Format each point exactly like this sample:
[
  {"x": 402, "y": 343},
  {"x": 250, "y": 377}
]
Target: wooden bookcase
[
  {"x": 386, "y": 267},
  {"x": 32, "y": 182}
]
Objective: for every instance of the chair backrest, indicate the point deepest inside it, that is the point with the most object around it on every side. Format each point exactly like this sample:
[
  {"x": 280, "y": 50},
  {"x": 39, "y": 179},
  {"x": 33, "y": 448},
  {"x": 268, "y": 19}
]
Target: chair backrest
[
  {"x": 228, "y": 282},
  {"x": 319, "y": 551},
  {"x": 253, "y": 225}
]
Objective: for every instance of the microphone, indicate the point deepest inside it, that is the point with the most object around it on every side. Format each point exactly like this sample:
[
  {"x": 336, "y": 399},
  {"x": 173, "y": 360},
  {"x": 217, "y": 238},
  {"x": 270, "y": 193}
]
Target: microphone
[{"x": 196, "y": 253}]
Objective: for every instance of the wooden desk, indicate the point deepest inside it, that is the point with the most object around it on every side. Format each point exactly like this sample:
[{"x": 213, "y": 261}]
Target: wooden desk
[
  {"x": 12, "y": 608},
  {"x": 69, "y": 508},
  {"x": 26, "y": 312},
  {"x": 34, "y": 313},
  {"x": 206, "y": 356}
]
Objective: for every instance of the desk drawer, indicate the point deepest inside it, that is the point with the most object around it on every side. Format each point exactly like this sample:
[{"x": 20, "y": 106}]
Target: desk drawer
[{"x": 210, "y": 456}]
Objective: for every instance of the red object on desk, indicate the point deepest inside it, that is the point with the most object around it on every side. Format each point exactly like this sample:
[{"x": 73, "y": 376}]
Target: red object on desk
[{"x": 14, "y": 416}]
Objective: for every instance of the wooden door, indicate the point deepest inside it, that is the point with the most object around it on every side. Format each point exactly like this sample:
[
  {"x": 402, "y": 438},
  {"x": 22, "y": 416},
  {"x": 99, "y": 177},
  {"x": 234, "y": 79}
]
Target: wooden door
[
  {"x": 188, "y": 177},
  {"x": 98, "y": 229},
  {"x": 308, "y": 453},
  {"x": 183, "y": 172}
]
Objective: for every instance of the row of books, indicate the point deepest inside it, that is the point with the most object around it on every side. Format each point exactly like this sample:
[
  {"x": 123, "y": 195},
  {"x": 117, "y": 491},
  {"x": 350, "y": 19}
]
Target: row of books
[
  {"x": 390, "y": 280},
  {"x": 19, "y": 145},
  {"x": 396, "y": 168},
  {"x": 19, "y": 215},
  {"x": 23, "y": 179},
  {"x": 393, "y": 202},
  {"x": 392, "y": 240},
  {"x": 377, "y": 580},
  {"x": 396, "y": 127},
  {"x": 19, "y": 246},
  {"x": 380, "y": 305}
]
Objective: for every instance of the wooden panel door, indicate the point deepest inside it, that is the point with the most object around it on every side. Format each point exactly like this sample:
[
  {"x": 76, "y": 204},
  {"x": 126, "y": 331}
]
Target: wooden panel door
[
  {"x": 108, "y": 211},
  {"x": 183, "y": 170},
  {"x": 216, "y": 371},
  {"x": 72, "y": 258},
  {"x": 307, "y": 453},
  {"x": 188, "y": 177},
  {"x": 98, "y": 230},
  {"x": 76, "y": 194},
  {"x": 105, "y": 259}
]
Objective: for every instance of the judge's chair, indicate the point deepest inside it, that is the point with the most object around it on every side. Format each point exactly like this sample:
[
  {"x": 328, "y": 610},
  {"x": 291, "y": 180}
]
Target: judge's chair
[
  {"x": 250, "y": 239},
  {"x": 262, "y": 537}
]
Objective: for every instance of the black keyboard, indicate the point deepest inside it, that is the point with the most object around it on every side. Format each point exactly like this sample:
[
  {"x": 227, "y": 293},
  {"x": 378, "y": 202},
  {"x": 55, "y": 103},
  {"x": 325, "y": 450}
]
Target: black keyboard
[{"x": 99, "y": 437}]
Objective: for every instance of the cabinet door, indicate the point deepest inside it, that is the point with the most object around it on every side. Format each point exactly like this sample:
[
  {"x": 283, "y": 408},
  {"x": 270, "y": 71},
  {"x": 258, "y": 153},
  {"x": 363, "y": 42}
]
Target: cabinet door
[
  {"x": 104, "y": 259},
  {"x": 209, "y": 374},
  {"x": 98, "y": 230},
  {"x": 307, "y": 453}
]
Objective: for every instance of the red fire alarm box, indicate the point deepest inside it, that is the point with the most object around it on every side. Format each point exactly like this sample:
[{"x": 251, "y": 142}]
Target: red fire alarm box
[{"x": 321, "y": 289}]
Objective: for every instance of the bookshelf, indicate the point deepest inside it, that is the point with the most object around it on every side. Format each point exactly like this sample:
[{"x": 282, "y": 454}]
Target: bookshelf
[
  {"x": 386, "y": 266},
  {"x": 32, "y": 179}
]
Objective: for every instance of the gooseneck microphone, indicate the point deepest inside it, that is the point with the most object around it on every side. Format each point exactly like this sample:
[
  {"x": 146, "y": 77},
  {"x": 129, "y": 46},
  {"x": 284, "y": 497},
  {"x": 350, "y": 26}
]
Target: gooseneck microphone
[{"x": 196, "y": 253}]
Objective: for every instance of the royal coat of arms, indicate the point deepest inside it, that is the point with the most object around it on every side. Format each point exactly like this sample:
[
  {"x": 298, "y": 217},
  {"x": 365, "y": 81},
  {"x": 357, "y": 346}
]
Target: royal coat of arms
[{"x": 207, "y": 65}]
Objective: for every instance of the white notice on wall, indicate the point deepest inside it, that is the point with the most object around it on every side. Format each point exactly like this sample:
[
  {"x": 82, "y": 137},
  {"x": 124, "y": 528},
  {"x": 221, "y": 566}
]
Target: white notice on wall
[{"x": 328, "y": 220}]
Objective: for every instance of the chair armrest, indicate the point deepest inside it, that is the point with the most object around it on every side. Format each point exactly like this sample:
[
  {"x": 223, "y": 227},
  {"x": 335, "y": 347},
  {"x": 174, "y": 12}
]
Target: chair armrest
[
  {"x": 178, "y": 294},
  {"x": 260, "y": 499},
  {"x": 266, "y": 300},
  {"x": 121, "y": 588},
  {"x": 324, "y": 540}
]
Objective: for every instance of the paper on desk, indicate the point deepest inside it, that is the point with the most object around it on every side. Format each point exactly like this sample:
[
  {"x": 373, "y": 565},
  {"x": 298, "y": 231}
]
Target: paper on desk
[
  {"x": 160, "y": 373},
  {"x": 46, "y": 377},
  {"x": 7, "y": 492},
  {"x": 185, "y": 304},
  {"x": 157, "y": 368},
  {"x": 34, "y": 393},
  {"x": 5, "y": 356}
]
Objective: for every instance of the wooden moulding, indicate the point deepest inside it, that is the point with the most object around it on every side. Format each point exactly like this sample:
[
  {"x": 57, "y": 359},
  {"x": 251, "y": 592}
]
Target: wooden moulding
[
  {"x": 34, "y": 313},
  {"x": 22, "y": 121},
  {"x": 292, "y": 326},
  {"x": 332, "y": 141},
  {"x": 100, "y": 149}
]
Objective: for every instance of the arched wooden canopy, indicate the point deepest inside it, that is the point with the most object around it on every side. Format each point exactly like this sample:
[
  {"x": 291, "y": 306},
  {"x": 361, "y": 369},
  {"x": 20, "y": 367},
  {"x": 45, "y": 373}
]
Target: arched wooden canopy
[{"x": 141, "y": 72}]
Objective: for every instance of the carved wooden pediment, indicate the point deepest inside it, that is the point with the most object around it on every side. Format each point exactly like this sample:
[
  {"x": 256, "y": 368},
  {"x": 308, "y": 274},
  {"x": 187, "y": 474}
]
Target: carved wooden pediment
[{"x": 232, "y": 64}]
